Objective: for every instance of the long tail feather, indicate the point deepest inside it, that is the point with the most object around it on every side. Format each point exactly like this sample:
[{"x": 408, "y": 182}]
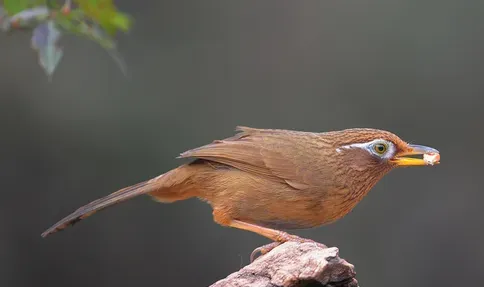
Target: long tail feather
[{"x": 99, "y": 204}]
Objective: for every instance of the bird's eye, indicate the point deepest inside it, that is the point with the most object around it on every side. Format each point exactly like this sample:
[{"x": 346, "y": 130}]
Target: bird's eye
[{"x": 380, "y": 148}]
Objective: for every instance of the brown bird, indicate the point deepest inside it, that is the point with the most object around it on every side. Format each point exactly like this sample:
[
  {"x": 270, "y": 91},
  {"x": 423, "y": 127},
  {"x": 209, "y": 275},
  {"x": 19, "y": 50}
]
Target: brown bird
[{"x": 265, "y": 180}]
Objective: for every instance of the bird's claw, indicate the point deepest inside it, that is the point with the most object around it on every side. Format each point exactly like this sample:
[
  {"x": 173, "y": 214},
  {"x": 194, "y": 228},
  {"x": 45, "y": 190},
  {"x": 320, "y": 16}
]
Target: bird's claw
[{"x": 260, "y": 251}]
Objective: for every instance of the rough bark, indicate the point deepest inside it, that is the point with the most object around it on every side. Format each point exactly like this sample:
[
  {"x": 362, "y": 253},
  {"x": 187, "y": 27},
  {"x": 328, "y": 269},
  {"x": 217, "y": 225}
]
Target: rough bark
[{"x": 295, "y": 264}]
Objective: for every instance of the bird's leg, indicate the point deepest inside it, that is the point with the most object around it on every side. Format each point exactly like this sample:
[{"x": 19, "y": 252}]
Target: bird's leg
[
  {"x": 277, "y": 236},
  {"x": 273, "y": 234}
]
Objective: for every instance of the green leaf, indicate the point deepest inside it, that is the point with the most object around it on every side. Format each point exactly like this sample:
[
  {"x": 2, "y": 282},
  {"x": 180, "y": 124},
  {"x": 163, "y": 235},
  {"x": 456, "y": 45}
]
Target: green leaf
[
  {"x": 122, "y": 21},
  {"x": 15, "y": 6},
  {"x": 105, "y": 13}
]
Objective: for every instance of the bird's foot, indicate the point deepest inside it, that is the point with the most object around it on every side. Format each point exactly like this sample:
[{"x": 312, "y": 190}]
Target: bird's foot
[
  {"x": 260, "y": 251},
  {"x": 264, "y": 249}
]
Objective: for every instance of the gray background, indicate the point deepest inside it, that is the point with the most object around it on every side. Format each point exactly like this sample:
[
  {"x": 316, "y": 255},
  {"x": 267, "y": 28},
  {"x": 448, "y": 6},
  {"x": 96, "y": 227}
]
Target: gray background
[{"x": 199, "y": 68}]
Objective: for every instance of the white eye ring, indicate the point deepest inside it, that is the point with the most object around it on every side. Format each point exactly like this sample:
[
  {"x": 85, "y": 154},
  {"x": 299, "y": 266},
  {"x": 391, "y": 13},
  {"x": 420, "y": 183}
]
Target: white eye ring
[
  {"x": 371, "y": 148},
  {"x": 381, "y": 148}
]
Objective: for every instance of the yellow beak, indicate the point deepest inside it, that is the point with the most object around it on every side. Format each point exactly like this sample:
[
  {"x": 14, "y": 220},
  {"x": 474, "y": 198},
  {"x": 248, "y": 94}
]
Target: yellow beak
[{"x": 431, "y": 156}]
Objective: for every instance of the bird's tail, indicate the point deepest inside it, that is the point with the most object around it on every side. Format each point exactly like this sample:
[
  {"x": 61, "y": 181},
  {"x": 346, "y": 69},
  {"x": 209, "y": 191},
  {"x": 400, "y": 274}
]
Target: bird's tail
[
  {"x": 177, "y": 184},
  {"x": 99, "y": 204}
]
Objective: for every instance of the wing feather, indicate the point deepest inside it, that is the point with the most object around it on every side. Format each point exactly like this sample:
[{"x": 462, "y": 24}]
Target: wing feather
[{"x": 279, "y": 154}]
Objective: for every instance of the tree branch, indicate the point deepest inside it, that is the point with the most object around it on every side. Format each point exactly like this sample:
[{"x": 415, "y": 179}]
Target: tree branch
[{"x": 295, "y": 265}]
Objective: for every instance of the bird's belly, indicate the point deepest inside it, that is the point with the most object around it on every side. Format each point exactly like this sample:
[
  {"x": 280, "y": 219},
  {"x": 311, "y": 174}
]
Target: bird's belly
[
  {"x": 280, "y": 207},
  {"x": 289, "y": 215},
  {"x": 269, "y": 203}
]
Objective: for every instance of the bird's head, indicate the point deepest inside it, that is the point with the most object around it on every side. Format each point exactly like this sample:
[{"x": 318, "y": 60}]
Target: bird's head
[{"x": 380, "y": 151}]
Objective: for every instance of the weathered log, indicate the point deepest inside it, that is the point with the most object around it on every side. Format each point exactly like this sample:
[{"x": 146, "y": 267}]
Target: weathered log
[{"x": 295, "y": 264}]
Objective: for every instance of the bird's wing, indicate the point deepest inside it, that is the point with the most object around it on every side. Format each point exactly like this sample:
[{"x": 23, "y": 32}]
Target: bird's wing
[{"x": 288, "y": 156}]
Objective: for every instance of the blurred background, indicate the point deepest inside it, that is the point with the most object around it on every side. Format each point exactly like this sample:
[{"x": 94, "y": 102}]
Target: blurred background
[{"x": 196, "y": 70}]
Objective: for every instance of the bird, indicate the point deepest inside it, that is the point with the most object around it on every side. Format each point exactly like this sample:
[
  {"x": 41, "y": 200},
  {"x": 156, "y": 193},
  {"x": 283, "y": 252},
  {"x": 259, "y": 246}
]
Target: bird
[{"x": 271, "y": 181}]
